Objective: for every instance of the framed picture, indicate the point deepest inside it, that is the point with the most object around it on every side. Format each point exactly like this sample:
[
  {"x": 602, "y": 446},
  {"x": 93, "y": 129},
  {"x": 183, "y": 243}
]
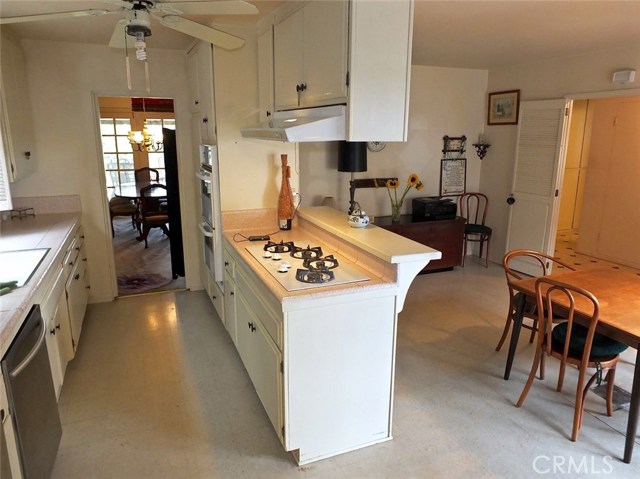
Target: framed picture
[
  {"x": 503, "y": 108},
  {"x": 453, "y": 176},
  {"x": 454, "y": 146}
]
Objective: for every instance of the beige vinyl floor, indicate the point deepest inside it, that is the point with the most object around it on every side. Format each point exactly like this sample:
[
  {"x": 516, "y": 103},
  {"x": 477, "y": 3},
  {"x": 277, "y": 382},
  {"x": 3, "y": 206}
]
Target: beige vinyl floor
[{"x": 158, "y": 391}]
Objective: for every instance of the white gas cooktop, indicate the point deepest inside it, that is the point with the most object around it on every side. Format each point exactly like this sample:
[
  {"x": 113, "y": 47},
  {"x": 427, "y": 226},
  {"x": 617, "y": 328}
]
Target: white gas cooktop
[{"x": 276, "y": 263}]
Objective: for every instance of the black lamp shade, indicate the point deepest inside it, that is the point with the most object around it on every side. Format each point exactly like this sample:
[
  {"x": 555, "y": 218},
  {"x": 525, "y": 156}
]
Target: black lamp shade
[{"x": 352, "y": 156}]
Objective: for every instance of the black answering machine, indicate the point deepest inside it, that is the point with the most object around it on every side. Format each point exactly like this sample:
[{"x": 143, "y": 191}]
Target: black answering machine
[{"x": 433, "y": 208}]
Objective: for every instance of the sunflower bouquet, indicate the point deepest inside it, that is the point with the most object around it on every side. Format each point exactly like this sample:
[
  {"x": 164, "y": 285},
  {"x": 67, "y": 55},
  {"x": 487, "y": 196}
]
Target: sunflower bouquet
[{"x": 396, "y": 204}]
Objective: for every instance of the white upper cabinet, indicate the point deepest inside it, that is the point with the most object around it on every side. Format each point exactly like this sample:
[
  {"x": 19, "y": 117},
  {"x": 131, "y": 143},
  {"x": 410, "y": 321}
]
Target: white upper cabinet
[
  {"x": 201, "y": 89},
  {"x": 265, "y": 74},
  {"x": 346, "y": 52},
  {"x": 310, "y": 56},
  {"x": 16, "y": 122}
]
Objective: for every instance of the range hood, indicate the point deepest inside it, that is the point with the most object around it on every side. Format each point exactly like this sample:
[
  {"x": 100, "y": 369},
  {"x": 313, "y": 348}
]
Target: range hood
[{"x": 310, "y": 124}]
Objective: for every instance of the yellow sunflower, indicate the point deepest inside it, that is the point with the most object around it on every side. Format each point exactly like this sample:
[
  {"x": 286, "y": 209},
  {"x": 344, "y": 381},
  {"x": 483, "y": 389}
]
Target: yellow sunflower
[{"x": 393, "y": 184}]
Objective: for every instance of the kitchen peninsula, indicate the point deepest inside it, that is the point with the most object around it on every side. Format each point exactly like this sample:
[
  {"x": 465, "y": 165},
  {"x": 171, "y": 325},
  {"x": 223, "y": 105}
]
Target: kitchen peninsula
[{"x": 322, "y": 357}]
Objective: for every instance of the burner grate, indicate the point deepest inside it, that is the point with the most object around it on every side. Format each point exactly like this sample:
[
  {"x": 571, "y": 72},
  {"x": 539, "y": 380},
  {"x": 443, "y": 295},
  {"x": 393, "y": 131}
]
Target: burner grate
[
  {"x": 315, "y": 277},
  {"x": 282, "y": 247},
  {"x": 320, "y": 264},
  {"x": 306, "y": 253}
]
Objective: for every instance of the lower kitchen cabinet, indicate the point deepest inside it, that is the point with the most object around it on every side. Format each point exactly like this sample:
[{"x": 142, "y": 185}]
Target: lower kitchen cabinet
[
  {"x": 445, "y": 236},
  {"x": 322, "y": 367}
]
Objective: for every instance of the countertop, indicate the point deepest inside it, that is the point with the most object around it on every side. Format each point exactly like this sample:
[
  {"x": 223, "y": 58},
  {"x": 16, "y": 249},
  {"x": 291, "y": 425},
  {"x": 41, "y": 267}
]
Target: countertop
[
  {"x": 373, "y": 250},
  {"x": 43, "y": 231}
]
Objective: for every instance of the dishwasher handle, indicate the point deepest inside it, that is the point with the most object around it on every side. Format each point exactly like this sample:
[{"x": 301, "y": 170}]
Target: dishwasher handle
[{"x": 29, "y": 357}]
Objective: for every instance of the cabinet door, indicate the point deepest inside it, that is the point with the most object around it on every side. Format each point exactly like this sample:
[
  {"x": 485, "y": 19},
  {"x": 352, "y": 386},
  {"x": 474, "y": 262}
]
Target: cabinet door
[
  {"x": 192, "y": 79},
  {"x": 63, "y": 336},
  {"x": 230, "y": 307},
  {"x": 325, "y": 53},
  {"x": 77, "y": 297},
  {"x": 262, "y": 360},
  {"x": 288, "y": 60},
  {"x": 265, "y": 74},
  {"x": 54, "y": 352},
  {"x": 206, "y": 93},
  {"x": 17, "y": 123}
]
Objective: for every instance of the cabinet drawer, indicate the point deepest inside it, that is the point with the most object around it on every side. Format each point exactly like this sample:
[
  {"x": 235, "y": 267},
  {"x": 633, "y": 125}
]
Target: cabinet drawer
[
  {"x": 259, "y": 306},
  {"x": 229, "y": 265}
]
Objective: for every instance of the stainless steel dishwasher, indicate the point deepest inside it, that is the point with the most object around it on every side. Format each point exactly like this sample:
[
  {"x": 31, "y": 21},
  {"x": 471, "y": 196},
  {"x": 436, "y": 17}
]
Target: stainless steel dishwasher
[{"x": 32, "y": 400}]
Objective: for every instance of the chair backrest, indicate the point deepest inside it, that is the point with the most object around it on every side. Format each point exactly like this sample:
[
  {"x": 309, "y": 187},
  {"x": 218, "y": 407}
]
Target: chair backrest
[
  {"x": 152, "y": 199},
  {"x": 557, "y": 299},
  {"x": 146, "y": 174},
  {"x": 539, "y": 260},
  {"x": 473, "y": 207}
]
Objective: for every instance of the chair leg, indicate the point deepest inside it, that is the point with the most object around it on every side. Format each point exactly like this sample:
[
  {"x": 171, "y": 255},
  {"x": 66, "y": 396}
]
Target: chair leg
[
  {"x": 534, "y": 328},
  {"x": 505, "y": 331},
  {"x": 536, "y": 360},
  {"x": 464, "y": 250},
  {"x": 611, "y": 375},
  {"x": 563, "y": 368},
  {"x": 486, "y": 258}
]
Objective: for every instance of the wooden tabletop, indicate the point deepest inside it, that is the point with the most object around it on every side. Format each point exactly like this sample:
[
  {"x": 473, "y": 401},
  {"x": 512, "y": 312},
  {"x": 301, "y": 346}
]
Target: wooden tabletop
[{"x": 617, "y": 291}]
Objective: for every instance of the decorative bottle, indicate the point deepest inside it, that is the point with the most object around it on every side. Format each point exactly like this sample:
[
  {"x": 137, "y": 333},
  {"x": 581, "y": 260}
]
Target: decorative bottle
[{"x": 285, "y": 201}]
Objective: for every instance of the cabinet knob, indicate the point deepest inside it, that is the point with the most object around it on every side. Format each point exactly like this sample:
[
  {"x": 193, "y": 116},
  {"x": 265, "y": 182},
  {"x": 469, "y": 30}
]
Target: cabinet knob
[
  {"x": 52, "y": 331},
  {"x": 82, "y": 236},
  {"x": 251, "y": 326},
  {"x": 213, "y": 296},
  {"x": 77, "y": 276},
  {"x": 205, "y": 120},
  {"x": 58, "y": 327},
  {"x": 231, "y": 293},
  {"x": 77, "y": 248},
  {"x": 268, "y": 113},
  {"x": 226, "y": 263},
  {"x": 70, "y": 263}
]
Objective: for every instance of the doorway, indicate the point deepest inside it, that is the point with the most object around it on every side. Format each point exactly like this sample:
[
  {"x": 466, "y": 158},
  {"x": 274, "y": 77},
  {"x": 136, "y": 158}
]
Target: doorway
[
  {"x": 598, "y": 219},
  {"x": 136, "y": 155}
]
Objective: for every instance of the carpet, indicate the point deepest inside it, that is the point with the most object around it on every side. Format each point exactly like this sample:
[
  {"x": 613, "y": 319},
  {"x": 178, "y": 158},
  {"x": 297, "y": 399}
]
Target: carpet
[{"x": 140, "y": 270}]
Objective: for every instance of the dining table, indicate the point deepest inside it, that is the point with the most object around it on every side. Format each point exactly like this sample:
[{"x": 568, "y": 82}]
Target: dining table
[
  {"x": 618, "y": 294},
  {"x": 132, "y": 191}
]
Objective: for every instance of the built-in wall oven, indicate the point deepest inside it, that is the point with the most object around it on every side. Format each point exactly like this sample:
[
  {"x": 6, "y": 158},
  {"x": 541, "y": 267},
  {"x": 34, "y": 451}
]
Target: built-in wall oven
[{"x": 210, "y": 225}]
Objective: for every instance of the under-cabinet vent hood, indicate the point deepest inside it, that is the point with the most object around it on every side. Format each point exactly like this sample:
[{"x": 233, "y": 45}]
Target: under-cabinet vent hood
[{"x": 309, "y": 124}]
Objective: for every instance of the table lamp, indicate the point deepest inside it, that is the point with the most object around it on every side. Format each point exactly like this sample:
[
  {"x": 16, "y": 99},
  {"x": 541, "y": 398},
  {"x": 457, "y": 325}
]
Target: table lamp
[{"x": 352, "y": 157}]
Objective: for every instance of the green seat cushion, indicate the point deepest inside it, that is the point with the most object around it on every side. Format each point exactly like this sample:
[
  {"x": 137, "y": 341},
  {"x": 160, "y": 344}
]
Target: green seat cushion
[
  {"x": 602, "y": 347},
  {"x": 477, "y": 229}
]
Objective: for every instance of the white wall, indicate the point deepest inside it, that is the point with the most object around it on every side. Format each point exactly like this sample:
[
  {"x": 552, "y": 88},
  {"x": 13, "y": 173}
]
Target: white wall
[
  {"x": 444, "y": 101},
  {"x": 550, "y": 79},
  {"x": 62, "y": 80}
]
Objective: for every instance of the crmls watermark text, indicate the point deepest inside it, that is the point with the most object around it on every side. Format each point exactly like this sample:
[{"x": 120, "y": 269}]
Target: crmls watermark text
[{"x": 571, "y": 465}]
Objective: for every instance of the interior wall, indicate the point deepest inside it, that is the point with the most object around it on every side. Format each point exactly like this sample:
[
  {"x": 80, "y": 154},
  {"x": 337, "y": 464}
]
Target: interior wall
[
  {"x": 551, "y": 79},
  {"x": 443, "y": 101},
  {"x": 63, "y": 78}
]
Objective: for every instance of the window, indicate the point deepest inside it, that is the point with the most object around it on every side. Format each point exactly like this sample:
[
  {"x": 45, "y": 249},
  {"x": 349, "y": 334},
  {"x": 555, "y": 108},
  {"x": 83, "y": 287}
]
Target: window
[{"x": 117, "y": 153}]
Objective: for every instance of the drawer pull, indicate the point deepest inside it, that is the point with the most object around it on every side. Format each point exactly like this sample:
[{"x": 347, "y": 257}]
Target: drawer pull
[
  {"x": 70, "y": 263},
  {"x": 251, "y": 326},
  {"x": 226, "y": 263}
]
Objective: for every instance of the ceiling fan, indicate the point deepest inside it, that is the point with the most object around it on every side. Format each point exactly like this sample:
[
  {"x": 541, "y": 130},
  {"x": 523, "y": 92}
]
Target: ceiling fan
[{"x": 138, "y": 13}]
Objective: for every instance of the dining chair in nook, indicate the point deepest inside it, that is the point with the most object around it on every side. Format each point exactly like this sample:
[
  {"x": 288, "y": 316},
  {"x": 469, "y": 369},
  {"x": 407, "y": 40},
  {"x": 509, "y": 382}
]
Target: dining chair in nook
[
  {"x": 152, "y": 211},
  {"x": 146, "y": 175},
  {"x": 535, "y": 260},
  {"x": 119, "y": 206},
  {"x": 473, "y": 208},
  {"x": 573, "y": 343}
]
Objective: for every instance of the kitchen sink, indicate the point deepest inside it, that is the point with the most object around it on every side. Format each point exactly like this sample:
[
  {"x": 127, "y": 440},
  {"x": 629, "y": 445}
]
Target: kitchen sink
[{"x": 20, "y": 265}]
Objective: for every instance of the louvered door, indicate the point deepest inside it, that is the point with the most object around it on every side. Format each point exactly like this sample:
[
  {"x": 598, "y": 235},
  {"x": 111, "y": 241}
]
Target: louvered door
[{"x": 537, "y": 176}]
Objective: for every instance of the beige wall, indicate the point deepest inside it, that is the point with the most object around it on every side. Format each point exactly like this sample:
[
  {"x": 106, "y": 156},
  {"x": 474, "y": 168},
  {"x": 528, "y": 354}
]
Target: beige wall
[
  {"x": 550, "y": 79},
  {"x": 444, "y": 101},
  {"x": 63, "y": 78}
]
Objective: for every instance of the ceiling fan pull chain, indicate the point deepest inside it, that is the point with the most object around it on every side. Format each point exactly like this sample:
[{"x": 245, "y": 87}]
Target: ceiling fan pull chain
[
  {"x": 126, "y": 56},
  {"x": 146, "y": 75}
]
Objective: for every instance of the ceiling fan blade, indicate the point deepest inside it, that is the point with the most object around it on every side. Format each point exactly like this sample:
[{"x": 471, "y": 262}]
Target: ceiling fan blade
[
  {"x": 119, "y": 37},
  {"x": 211, "y": 35},
  {"x": 52, "y": 16},
  {"x": 219, "y": 7}
]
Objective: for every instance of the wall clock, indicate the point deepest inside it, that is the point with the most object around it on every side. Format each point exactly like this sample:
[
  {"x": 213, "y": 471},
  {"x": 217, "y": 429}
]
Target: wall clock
[{"x": 376, "y": 145}]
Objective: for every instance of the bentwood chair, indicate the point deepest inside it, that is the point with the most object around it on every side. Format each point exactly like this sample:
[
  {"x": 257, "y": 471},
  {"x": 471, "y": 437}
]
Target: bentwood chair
[
  {"x": 152, "y": 212},
  {"x": 473, "y": 208},
  {"x": 538, "y": 261},
  {"x": 572, "y": 343}
]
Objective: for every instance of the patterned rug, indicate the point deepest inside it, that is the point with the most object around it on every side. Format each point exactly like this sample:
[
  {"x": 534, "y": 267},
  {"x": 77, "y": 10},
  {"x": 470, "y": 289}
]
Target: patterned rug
[{"x": 141, "y": 270}]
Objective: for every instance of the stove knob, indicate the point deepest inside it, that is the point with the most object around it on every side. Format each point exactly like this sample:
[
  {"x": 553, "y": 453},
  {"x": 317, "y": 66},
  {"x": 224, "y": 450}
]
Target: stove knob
[
  {"x": 285, "y": 265},
  {"x": 266, "y": 254},
  {"x": 276, "y": 257},
  {"x": 282, "y": 269}
]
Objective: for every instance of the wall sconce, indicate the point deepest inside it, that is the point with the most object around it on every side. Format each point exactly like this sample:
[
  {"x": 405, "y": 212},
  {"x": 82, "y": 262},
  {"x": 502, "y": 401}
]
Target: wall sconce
[
  {"x": 352, "y": 157},
  {"x": 143, "y": 140},
  {"x": 481, "y": 147}
]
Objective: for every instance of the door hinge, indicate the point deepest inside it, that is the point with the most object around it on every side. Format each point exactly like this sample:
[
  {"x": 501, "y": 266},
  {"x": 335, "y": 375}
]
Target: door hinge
[
  {"x": 566, "y": 111},
  {"x": 73, "y": 343},
  {"x": 347, "y": 82},
  {"x": 557, "y": 193},
  {"x": 282, "y": 367},
  {"x": 282, "y": 432}
]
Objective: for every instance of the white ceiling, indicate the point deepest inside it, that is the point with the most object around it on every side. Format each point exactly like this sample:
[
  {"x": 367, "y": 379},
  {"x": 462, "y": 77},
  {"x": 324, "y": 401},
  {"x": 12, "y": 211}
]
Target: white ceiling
[{"x": 468, "y": 34}]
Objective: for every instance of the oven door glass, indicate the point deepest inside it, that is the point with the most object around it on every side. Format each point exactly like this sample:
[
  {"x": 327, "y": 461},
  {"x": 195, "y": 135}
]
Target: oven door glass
[
  {"x": 207, "y": 235},
  {"x": 205, "y": 195}
]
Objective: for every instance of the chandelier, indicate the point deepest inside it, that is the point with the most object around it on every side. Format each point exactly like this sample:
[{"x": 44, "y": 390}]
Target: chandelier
[{"x": 143, "y": 140}]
